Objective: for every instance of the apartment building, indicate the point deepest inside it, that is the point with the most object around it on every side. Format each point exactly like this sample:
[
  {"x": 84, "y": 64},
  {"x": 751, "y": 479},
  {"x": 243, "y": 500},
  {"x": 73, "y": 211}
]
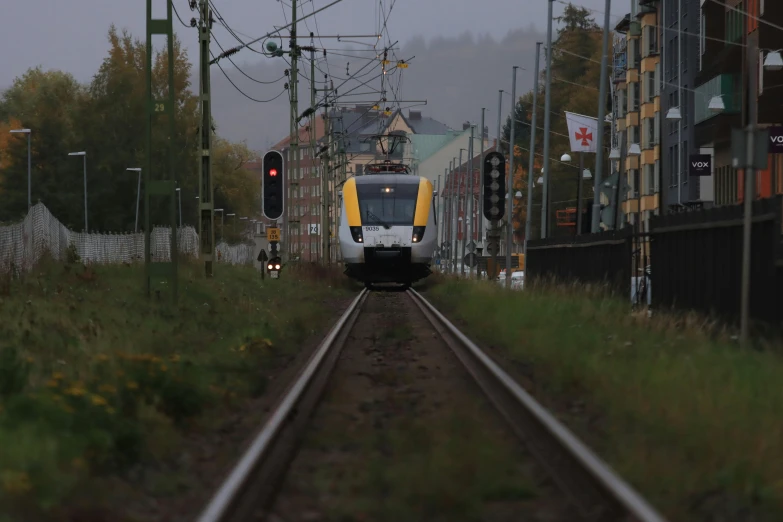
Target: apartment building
[{"x": 722, "y": 92}]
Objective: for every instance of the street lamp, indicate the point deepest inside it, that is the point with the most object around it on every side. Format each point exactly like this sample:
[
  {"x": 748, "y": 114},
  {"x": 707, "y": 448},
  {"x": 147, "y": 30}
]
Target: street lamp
[
  {"x": 634, "y": 150},
  {"x": 138, "y": 195},
  {"x": 222, "y": 215},
  {"x": 29, "y": 176},
  {"x": 565, "y": 158},
  {"x": 179, "y": 201},
  {"x": 674, "y": 114},
  {"x": 716, "y": 103},
  {"x": 773, "y": 61},
  {"x": 83, "y": 154}
]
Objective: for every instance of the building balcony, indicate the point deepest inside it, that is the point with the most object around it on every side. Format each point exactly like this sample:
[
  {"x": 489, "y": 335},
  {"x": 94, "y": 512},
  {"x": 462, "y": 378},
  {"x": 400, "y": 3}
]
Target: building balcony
[{"x": 724, "y": 85}]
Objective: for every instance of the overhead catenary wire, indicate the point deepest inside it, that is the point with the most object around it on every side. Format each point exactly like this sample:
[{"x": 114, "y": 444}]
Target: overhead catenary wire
[
  {"x": 243, "y": 93},
  {"x": 238, "y": 68}
]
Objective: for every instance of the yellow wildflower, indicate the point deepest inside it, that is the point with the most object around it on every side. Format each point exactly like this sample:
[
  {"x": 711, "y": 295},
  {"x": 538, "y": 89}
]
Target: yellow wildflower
[
  {"x": 57, "y": 375},
  {"x": 131, "y": 385},
  {"x": 15, "y": 482},
  {"x": 155, "y": 359},
  {"x": 174, "y": 358},
  {"x": 52, "y": 383},
  {"x": 163, "y": 367},
  {"x": 107, "y": 388},
  {"x": 77, "y": 390},
  {"x": 243, "y": 348},
  {"x": 98, "y": 400}
]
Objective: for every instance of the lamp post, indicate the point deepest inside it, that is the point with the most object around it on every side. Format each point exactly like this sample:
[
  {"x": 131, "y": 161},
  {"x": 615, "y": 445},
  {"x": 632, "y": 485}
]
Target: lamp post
[
  {"x": 222, "y": 216},
  {"x": 138, "y": 194},
  {"x": 235, "y": 221},
  {"x": 29, "y": 169},
  {"x": 83, "y": 154},
  {"x": 179, "y": 203}
]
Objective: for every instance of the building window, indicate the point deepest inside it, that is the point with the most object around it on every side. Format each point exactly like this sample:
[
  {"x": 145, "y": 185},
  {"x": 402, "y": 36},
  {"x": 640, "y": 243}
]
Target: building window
[
  {"x": 633, "y": 100},
  {"x": 649, "y": 40},
  {"x": 649, "y": 86},
  {"x": 633, "y": 50},
  {"x": 685, "y": 162},
  {"x": 649, "y": 137},
  {"x": 649, "y": 180}
]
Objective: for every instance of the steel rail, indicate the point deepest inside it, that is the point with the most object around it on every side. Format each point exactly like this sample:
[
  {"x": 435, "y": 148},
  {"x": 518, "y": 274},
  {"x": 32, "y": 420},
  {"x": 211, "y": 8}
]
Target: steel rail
[
  {"x": 267, "y": 456},
  {"x": 595, "y": 489}
]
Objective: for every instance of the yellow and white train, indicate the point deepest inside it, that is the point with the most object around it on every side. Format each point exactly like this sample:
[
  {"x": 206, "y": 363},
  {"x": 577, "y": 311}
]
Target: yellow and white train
[{"x": 388, "y": 228}]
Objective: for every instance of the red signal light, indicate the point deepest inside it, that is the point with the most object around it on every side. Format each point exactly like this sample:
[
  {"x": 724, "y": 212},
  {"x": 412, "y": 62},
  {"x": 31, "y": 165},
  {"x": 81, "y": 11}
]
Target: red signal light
[{"x": 273, "y": 172}]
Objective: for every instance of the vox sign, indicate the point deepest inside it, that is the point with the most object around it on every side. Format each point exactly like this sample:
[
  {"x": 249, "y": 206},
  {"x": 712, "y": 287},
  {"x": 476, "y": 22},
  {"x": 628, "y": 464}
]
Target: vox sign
[
  {"x": 776, "y": 140},
  {"x": 700, "y": 165}
]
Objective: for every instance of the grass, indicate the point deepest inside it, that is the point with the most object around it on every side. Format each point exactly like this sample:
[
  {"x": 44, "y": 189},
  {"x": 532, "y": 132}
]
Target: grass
[
  {"x": 97, "y": 380},
  {"x": 690, "y": 419}
]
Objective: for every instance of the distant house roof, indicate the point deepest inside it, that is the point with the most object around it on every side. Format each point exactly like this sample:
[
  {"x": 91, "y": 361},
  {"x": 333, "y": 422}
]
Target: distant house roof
[
  {"x": 425, "y": 145},
  {"x": 304, "y": 134}
]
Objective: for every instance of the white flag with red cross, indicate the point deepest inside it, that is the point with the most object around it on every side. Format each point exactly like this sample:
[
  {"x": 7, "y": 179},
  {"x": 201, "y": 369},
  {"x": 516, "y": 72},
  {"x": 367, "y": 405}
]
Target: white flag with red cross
[{"x": 582, "y": 131}]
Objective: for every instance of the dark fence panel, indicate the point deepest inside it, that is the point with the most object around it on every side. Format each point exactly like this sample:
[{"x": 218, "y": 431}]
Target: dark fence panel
[
  {"x": 697, "y": 261},
  {"x": 604, "y": 257}
]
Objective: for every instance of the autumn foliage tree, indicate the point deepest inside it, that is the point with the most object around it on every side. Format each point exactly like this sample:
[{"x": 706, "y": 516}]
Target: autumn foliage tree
[
  {"x": 107, "y": 118},
  {"x": 576, "y": 58}
]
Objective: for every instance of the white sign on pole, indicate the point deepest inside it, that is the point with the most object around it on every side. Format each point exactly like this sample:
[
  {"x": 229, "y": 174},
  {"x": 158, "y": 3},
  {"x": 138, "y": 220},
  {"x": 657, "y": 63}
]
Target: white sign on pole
[
  {"x": 314, "y": 229},
  {"x": 582, "y": 131}
]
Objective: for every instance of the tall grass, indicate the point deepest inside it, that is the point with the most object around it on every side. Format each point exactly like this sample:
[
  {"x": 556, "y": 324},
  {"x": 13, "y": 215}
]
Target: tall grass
[
  {"x": 96, "y": 379},
  {"x": 690, "y": 418}
]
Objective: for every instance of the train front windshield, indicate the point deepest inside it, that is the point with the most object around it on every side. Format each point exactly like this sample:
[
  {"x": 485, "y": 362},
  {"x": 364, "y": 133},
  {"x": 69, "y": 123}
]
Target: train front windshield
[{"x": 387, "y": 206}]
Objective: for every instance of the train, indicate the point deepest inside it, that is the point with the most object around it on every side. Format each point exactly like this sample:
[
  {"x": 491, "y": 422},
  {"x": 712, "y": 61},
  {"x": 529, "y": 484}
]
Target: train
[{"x": 388, "y": 229}]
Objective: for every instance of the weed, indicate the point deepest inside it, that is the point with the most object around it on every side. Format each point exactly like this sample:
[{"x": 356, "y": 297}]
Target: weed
[
  {"x": 684, "y": 410},
  {"x": 108, "y": 380}
]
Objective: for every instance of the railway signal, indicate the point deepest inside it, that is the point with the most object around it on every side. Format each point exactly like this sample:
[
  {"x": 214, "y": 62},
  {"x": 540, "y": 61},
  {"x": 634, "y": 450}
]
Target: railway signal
[
  {"x": 273, "y": 184},
  {"x": 273, "y": 267},
  {"x": 494, "y": 181}
]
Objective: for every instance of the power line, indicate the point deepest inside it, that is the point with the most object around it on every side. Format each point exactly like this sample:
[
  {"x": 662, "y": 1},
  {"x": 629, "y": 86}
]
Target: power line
[
  {"x": 240, "y": 90},
  {"x": 240, "y": 69}
]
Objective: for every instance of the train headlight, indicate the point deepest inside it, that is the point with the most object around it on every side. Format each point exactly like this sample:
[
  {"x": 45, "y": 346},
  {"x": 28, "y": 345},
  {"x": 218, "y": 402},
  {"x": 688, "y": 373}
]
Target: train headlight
[
  {"x": 356, "y": 233},
  {"x": 269, "y": 267},
  {"x": 418, "y": 234},
  {"x": 277, "y": 267}
]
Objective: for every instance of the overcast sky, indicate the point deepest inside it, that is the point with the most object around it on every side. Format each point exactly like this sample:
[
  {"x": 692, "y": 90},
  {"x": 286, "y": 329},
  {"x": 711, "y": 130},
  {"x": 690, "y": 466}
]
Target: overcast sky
[{"x": 71, "y": 36}]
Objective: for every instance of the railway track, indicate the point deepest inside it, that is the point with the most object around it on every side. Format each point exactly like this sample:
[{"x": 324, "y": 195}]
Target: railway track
[{"x": 255, "y": 485}]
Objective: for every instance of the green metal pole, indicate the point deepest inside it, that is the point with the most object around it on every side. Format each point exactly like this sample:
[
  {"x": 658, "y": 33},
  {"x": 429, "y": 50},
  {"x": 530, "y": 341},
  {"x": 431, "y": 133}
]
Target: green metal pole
[{"x": 206, "y": 202}]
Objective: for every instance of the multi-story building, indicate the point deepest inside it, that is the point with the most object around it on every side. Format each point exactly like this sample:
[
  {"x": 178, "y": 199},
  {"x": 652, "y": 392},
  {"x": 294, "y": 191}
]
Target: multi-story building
[
  {"x": 721, "y": 101},
  {"x": 678, "y": 33},
  {"x": 304, "y": 193},
  {"x": 636, "y": 74}
]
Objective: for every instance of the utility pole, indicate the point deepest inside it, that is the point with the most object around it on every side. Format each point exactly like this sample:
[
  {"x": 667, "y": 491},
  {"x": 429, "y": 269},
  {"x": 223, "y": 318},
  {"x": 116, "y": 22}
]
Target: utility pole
[
  {"x": 455, "y": 214},
  {"x": 313, "y": 120},
  {"x": 471, "y": 226},
  {"x": 579, "y": 193},
  {"x": 206, "y": 223},
  {"x": 155, "y": 109},
  {"x": 547, "y": 113},
  {"x": 599, "y": 140},
  {"x": 531, "y": 158},
  {"x": 750, "y": 185},
  {"x": 510, "y": 176},
  {"x": 447, "y": 210},
  {"x": 294, "y": 222},
  {"x": 480, "y": 213},
  {"x": 326, "y": 225},
  {"x": 461, "y": 209}
]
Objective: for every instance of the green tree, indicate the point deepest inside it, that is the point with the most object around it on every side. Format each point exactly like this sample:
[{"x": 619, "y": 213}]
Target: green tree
[
  {"x": 576, "y": 57},
  {"x": 48, "y": 103}
]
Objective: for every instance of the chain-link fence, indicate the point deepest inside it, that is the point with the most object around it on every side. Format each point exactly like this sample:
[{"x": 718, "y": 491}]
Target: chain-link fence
[{"x": 23, "y": 244}]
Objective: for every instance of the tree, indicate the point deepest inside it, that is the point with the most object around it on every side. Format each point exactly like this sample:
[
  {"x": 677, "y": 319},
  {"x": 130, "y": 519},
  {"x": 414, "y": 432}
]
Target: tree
[
  {"x": 46, "y": 102},
  {"x": 107, "y": 119},
  {"x": 237, "y": 189},
  {"x": 576, "y": 56}
]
